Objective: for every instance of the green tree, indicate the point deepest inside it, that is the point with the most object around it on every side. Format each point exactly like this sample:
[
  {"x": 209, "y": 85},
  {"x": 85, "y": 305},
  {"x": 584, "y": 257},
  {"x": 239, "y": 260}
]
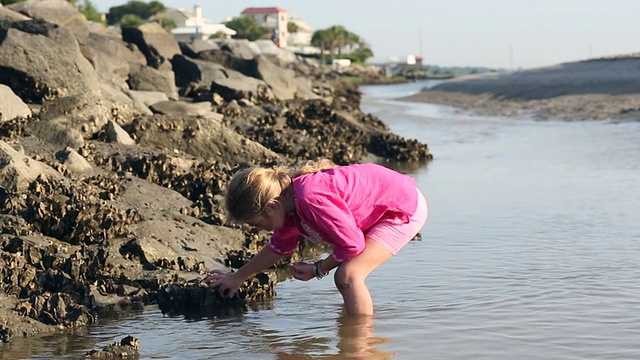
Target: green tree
[
  {"x": 90, "y": 12},
  {"x": 218, "y": 35},
  {"x": 362, "y": 54},
  {"x": 131, "y": 20},
  {"x": 167, "y": 24},
  {"x": 322, "y": 40},
  {"x": 292, "y": 27},
  {"x": 336, "y": 39},
  {"x": 247, "y": 28},
  {"x": 141, "y": 9},
  {"x": 338, "y": 35}
]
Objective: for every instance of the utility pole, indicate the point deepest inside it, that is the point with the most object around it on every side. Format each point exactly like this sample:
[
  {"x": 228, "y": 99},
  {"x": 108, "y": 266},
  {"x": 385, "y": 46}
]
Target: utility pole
[
  {"x": 420, "y": 42},
  {"x": 420, "y": 50},
  {"x": 511, "y": 56}
]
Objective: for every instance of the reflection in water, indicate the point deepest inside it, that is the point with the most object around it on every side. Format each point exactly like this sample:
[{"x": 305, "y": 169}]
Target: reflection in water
[
  {"x": 75, "y": 341},
  {"x": 355, "y": 341}
]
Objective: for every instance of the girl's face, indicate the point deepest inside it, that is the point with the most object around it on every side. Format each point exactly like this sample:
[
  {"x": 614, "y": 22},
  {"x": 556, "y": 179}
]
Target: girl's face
[{"x": 271, "y": 218}]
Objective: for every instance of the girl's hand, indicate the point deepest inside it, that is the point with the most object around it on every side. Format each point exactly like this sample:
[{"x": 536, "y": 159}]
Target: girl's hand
[
  {"x": 302, "y": 271},
  {"x": 227, "y": 283}
]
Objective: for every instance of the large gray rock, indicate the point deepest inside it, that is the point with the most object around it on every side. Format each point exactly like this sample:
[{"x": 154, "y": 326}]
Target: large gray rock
[
  {"x": 146, "y": 78},
  {"x": 157, "y": 44},
  {"x": 7, "y": 14},
  {"x": 240, "y": 48},
  {"x": 191, "y": 49},
  {"x": 123, "y": 108},
  {"x": 178, "y": 108},
  {"x": 43, "y": 61},
  {"x": 199, "y": 137},
  {"x": 282, "y": 56},
  {"x": 242, "y": 87},
  {"x": 57, "y": 134},
  {"x": 230, "y": 84},
  {"x": 192, "y": 72},
  {"x": 73, "y": 161},
  {"x": 147, "y": 98},
  {"x": 115, "y": 133},
  {"x": 111, "y": 57},
  {"x": 17, "y": 170},
  {"x": 11, "y": 106},
  {"x": 58, "y": 12},
  {"x": 281, "y": 81},
  {"x": 86, "y": 113}
]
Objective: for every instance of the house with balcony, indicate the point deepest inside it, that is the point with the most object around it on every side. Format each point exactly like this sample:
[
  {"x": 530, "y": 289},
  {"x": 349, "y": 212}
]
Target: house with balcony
[
  {"x": 273, "y": 18},
  {"x": 299, "y": 41},
  {"x": 191, "y": 25}
]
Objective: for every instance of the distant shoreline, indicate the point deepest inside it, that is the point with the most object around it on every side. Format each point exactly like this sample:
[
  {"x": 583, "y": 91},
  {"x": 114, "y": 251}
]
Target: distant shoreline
[{"x": 603, "y": 89}]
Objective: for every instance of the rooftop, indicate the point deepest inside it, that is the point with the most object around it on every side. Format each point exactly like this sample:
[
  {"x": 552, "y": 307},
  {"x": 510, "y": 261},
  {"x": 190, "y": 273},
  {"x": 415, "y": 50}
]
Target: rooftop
[{"x": 262, "y": 10}]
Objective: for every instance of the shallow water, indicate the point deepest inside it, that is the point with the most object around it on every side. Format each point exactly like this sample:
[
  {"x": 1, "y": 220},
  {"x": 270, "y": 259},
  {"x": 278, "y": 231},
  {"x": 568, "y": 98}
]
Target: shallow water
[{"x": 530, "y": 252}]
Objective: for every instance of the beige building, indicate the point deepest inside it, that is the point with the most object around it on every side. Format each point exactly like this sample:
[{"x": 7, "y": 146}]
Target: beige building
[
  {"x": 273, "y": 18},
  {"x": 302, "y": 37},
  {"x": 192, "y": 25}
]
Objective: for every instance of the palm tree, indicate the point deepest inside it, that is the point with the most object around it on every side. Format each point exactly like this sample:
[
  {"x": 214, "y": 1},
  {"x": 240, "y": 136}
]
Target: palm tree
[
  {"x": 339, "y": 36},
  {"x": 322, "y": 39},
  {"x": 336, "y": 39},
  {"x": 246, "y": 27}
]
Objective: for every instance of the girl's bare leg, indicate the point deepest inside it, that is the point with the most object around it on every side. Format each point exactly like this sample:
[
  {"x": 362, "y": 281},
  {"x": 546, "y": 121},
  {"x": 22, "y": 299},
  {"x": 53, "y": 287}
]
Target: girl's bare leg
[{"x": 351, "y": 275}]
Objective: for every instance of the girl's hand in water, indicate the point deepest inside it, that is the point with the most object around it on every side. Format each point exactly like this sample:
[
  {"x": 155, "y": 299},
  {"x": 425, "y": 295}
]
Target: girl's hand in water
[
  {"x": 302, "y": 271},
  {"x": 226, "y": 283}
]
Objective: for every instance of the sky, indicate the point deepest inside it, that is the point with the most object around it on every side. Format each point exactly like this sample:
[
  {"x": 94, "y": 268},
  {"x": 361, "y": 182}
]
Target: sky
[{"x": 506, "y": 34}]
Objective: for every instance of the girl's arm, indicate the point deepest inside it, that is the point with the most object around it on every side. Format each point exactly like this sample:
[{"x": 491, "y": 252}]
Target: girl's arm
[
  {"x": 328, "y": 264},
  {"x": 229, "y": 283},
  {"x": 263, "y": 260},
  {"x": 305, "y": 271}
]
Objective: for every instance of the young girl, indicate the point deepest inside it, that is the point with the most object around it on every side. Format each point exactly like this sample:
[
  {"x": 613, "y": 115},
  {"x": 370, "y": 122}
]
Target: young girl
[{"x": 366, "y": 211}]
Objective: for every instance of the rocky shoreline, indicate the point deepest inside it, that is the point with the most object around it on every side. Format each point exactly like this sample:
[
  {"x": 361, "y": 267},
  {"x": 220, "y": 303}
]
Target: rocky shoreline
[
  {"x": 115, "y": 150},
  {"x": 598, "y": 89}
]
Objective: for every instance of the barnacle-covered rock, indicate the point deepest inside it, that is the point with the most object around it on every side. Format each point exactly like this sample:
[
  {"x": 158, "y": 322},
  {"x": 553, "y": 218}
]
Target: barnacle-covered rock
[
  {"x": 196, "y": 298},
  {"x": 5, "y": 333},
  {"x": 56, "y": 309},
  {"x": 75, "y": 212},
  {"x": 128, "y": 347}
]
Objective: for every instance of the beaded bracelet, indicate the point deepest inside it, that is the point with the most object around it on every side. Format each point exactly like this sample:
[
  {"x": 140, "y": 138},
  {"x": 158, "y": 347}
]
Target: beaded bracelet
[{"x": 317, "y": 270}]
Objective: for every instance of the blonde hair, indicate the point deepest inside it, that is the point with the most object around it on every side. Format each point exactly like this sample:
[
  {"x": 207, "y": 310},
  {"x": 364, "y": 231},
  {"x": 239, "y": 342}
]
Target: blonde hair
[{"x": 250, "y": 189}]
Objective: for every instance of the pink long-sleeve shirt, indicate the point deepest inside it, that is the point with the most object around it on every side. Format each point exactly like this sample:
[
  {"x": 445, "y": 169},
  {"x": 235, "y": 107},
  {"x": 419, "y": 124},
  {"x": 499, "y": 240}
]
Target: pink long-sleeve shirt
[{"x": 337, "y": 206}]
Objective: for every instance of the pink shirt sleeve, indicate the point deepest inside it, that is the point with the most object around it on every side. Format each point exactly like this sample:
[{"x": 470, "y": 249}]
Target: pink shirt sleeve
[
  {"x": 331, "y": 217},
  {"x": 284, "y": 241}
]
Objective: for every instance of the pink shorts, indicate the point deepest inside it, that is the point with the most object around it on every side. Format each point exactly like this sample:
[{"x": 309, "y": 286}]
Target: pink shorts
[{"x": 394, "y": 236}]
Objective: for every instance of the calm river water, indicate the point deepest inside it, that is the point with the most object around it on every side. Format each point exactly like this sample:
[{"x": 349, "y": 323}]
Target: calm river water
[{"x": 530, "y": 252}]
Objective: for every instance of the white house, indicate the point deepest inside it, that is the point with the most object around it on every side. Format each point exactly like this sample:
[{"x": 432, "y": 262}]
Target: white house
[
  {"x": 273, "y": 18},
  {"x": 300, "y": 41},
  {"x": 192, "y": 25},
  {"x": 302, "y": 37}
]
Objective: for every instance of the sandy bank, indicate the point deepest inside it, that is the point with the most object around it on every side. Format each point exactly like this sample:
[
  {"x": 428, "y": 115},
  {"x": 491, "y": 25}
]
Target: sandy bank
[{"x": 595, "y": 89}]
